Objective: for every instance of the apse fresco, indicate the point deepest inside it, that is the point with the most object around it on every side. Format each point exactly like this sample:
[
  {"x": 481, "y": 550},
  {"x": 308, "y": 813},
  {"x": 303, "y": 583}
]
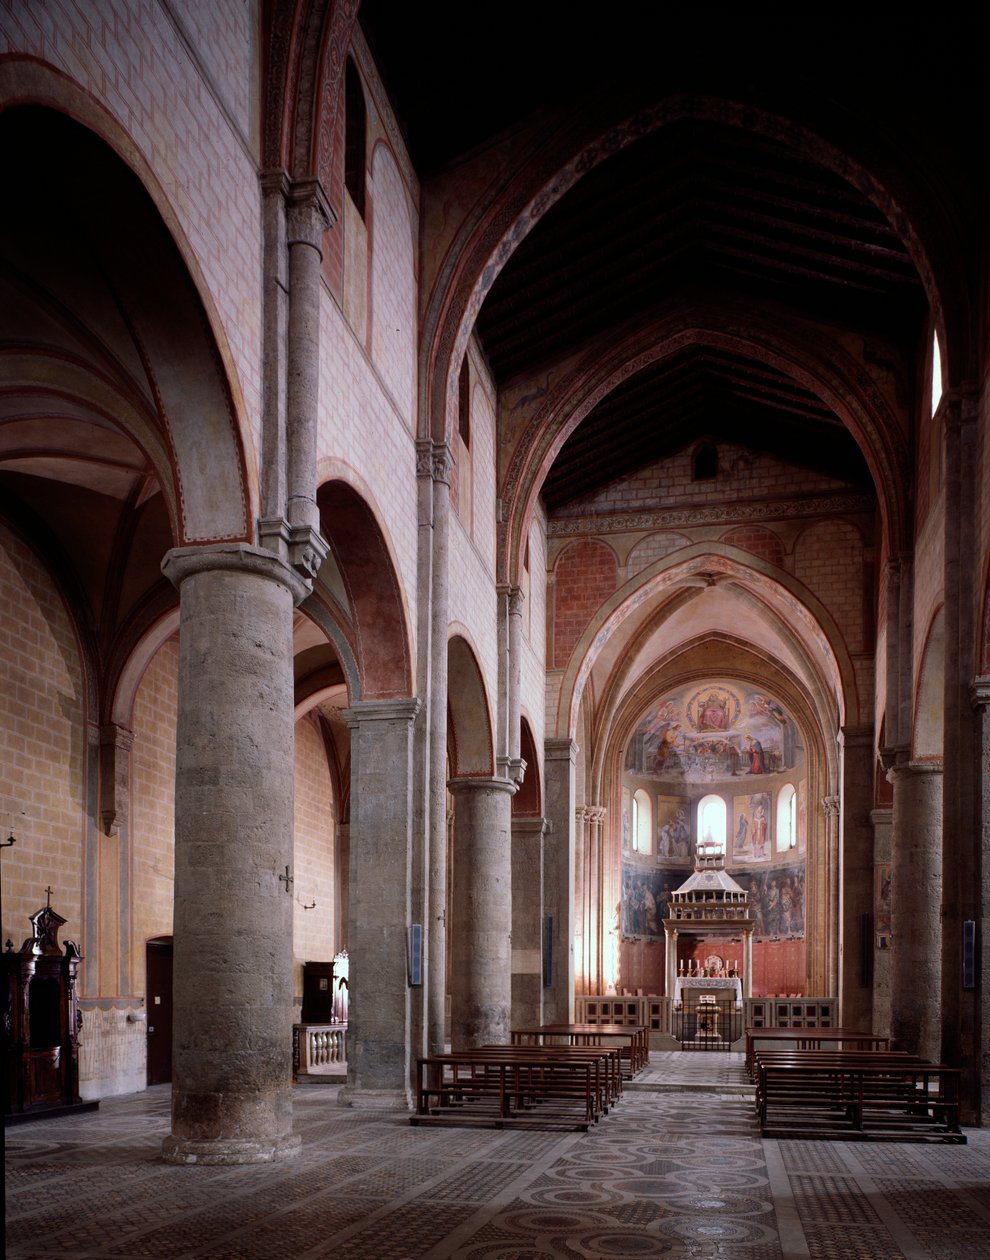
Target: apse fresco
[
  {"x": 750, "y": 828},
  {"x": 713, "y": 732},
  {"x": 646, "y": 898},
  {"x": 776, "y": 901}
]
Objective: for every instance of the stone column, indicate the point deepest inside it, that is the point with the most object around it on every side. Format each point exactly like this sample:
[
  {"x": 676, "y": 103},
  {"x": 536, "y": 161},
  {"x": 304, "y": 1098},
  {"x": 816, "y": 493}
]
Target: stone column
[
  {"x": 309, "y": 217},
  {"x": 481, "y": 985},
  {"x": 438, "y": 458},
  {"x": 558, "y": 876},
  {"x": 231, "y": 1100},
  {"x": 981, "y": 702},
  {"x": 670, "y": 959},
  {"x": 916, "y": 898},
  {"x": 882, "y": 820},
  {"x": 379, "y": 1068},
  {"x": 748, "y": 964},
  {"x": 527, "y": 921},
  {"x": 830, "y": 804},
  {"x": 856, "y": 875}
]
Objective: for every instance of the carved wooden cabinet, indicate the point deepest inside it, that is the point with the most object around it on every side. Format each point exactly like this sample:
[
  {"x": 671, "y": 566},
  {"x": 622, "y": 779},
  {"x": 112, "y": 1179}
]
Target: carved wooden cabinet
[{"x": 41, "y": 1020}]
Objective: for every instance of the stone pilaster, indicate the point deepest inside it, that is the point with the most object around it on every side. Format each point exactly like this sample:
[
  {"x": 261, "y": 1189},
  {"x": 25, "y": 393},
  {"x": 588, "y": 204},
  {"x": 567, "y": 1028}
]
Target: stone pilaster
[
  {"x": 856, "y": 876},
  {"x": 231, "y": 1099},
  {"x": 115, "y": 777},
  {"x": 961, "y": 1041},
  {"x": 379, "y": 1068},
  {"x": 558, "y": 876},
  {"x": 916, "y": 899},
  {"x": 481, "y": 984},
  {"x": 830, "y": 804},
  {"x": 527, "y": 921},
  {"x": 883, "y": 820},
  {"x": 980, "y": 1061}
]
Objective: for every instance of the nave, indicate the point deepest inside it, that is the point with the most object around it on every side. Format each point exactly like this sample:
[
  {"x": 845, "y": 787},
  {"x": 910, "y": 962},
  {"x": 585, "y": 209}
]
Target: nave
[{"x": 676, "y": 1170}]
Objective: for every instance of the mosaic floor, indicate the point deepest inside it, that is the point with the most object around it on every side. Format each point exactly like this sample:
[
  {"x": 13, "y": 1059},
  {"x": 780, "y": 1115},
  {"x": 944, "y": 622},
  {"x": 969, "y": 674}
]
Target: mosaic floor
[{"x": 678, "y": 1173}]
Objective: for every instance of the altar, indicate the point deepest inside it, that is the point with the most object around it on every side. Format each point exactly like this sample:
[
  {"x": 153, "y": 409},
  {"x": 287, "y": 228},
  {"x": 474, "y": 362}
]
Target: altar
[{"x": 724, "y": 987}]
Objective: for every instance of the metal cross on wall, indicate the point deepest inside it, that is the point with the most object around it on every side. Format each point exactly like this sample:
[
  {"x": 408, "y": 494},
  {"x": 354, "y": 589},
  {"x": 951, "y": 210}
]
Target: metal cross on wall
[{"x": 287, "y": 879}]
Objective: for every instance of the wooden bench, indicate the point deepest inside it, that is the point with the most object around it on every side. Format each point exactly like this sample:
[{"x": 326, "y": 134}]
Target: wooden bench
[
  {"x": 853, "y": 1094},
  {"x": 506, "y": 1086},
  {"x": 812, "y": 1039},
  {"x": 635, "y": 1050}
]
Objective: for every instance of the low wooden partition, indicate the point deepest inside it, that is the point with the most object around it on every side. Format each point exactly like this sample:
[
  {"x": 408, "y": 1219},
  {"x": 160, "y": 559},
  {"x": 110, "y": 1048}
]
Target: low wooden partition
[{"x": 856, "y": 1094}]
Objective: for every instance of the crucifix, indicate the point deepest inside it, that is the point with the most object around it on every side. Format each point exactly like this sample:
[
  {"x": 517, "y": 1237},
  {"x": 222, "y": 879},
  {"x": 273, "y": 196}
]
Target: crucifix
[
  {"x": 287, "y": 879},
  {"x": 48, "y": 890}
]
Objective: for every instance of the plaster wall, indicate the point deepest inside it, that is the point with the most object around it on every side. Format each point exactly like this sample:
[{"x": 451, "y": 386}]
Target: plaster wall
[{"x": 313, "y": 852}]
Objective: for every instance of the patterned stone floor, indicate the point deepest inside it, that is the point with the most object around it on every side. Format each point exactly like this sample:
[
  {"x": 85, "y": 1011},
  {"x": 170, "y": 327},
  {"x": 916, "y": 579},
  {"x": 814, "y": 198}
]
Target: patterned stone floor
[{"x": 675, "y": 1173}]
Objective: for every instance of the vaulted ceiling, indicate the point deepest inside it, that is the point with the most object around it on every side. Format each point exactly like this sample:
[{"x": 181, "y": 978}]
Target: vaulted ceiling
[{"x": 698, "y": 212}]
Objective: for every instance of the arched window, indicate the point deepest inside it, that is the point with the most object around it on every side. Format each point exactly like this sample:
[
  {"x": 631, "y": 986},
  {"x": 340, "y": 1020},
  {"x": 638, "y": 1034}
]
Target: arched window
[
  {"x": 711, "y": 821},
  {"x": 936, "y": 373},
  {"x": 642, "y": 819},
  {"x": 706, "y": 462},
  {"x": 786, "y": 818},
  {"x": 355, "y": 133}
]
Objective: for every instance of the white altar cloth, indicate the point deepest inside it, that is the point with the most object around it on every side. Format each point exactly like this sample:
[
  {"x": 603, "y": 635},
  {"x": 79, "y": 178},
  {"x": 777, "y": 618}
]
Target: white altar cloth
[{"x": 708, "y": 984}]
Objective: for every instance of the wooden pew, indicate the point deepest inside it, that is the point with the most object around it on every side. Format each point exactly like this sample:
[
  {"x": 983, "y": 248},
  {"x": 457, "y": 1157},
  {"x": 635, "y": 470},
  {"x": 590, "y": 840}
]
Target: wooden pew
[
  {"x": 813, "y": 1039},
  {"x": 513, "y": 1085},
  {"x": 856, "y": 1094},
  {"x": 636, "y": 1039}
]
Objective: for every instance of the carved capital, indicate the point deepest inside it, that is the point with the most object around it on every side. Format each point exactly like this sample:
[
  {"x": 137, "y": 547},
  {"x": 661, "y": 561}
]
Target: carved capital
[
  {"x": 979, "y": 691},
  {"x": 830, "y": 804},
  {"x": 434, "y": 460},
  {"x": 310, "y": 214},
  {"x": 513, "y": 768},
  {"x": 115, "y": 750},
  {"x": 307, "y": 550}
]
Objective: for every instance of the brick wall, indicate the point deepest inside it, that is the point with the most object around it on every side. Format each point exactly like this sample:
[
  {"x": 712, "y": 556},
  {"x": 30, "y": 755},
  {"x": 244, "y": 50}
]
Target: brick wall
[
  {"x": 42, "y": 748},
  {"x": 742, "y": 476},
  {"x": 653, "y": 548},
  {"x": 584, "y": 577},
  {"x": 313, "y": 931},
  {"x": 758, "y": 541},
  {"x": 828, "y": 558}
]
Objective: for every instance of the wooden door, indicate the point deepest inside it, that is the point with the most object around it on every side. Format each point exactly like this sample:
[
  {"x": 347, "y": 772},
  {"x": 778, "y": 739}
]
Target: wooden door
[{"x": 159, "y": 1004}]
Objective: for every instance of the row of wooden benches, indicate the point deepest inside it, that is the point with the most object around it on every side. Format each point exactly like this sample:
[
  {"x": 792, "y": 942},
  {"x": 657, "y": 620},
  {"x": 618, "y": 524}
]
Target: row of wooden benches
[
  {"x": 855, "y": 1094},
  {"x": 536, "y": 1081}
]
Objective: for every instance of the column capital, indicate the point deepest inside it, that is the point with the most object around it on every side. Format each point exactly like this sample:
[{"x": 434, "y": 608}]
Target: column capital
[
  {"x": 434, "y": 460},
  {"x": 914, "y": 769},
  {"x": 882, "y": 816},
  {"x": 979, "y": 691},
  {"x": 830, "y": 804},
  {"x": 362, "y": 711},
  {"x": 514, "y": 596},
  {"x": 310, "y": 214},
  {"x": 560, "y": 749},
  {"x": 856, "y": 736},
  {"x": 528, "y": 826},
  {"x": 481, "y": 783},
  {"x": 513, "y": 768},
  {"x": 183, "y": 562}
]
